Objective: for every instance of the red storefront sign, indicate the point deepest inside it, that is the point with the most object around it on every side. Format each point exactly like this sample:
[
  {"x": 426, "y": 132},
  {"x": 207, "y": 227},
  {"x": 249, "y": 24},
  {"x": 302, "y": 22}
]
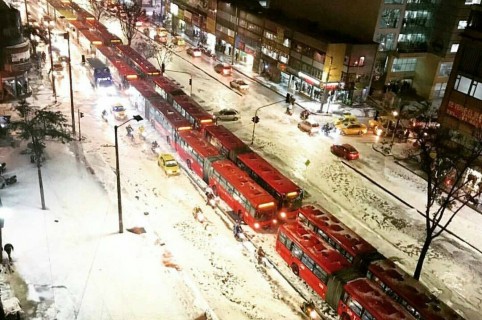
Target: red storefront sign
[{"x": 464, "y": 114}]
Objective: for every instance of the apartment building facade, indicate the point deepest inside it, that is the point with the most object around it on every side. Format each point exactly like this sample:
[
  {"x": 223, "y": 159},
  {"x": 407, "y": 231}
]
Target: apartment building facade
[
  {"x": 292, "y": 52},
  {"x": 417, "y": 39},
  {"x": 14, "y": 55}
]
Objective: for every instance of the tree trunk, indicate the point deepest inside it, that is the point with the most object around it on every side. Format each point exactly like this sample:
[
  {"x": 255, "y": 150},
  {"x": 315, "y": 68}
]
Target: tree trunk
[
  {"x": 421, "y": 258},
  {"x": 42, "y": 198}
]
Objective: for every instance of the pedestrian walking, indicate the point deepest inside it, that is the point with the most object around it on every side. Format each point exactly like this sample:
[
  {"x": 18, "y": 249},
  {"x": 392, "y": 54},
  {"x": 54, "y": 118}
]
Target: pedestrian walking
[{"x": 8, "y": 249}]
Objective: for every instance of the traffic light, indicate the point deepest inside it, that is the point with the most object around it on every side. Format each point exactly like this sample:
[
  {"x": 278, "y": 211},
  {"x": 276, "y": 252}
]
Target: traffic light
[
  {"x": 163, "y": 67},
  {"x": 190, "y": 82},
  {"x": 81, "y": 114},
  {"x": 288, "y": 98},
  {"x": 255, "y": 119}
]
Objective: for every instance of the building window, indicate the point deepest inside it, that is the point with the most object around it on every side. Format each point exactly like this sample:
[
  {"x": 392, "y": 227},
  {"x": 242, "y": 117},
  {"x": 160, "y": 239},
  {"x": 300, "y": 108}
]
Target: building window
[
  {"x": 462, "y": 84},
  {"x": 472, "y": 1},
  {"x": 476, "y": 90},
  {"x": 462, "y": 24},
  {"x": 454, "y": 48},
  {"x": 394, "y": 1},
  {"x": 389, "y": 18},
  {"x": 387, "y": 41},
  {"x": 440, "y": 90},
  {"x": 404, "y": 65},
  {"x": 445, "y": 69}
]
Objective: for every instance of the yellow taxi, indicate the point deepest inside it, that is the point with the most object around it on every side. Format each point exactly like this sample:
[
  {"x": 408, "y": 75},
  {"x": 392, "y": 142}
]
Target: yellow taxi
[{"x": 170, "y": 166}]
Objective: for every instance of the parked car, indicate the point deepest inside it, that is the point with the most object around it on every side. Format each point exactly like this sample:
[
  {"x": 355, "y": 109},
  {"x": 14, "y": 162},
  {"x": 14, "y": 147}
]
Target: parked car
[
  {"x": 194, "y": 51},
  {"x": 178, "y": 41},
  {"x": 239, "y": 84},
  {"x": 346, "y": 151},
  {"x": 352, "y": 129},
  {"x": 223, "y": 68},
  {"x": 309, "y": 126},
  {"x": 118, "y": 111},
  {"x": 227, "y": 115},
  {"x": 170, "y": 166}
]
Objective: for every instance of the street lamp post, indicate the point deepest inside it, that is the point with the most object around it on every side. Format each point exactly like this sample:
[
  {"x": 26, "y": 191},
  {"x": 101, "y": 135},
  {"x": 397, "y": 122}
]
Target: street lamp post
[
  {"x": 67, "y": 36},
  {"x": 117, "y": 171},
  {"x": 49, "y": 25},
  {"x": 256, "y": 117}
]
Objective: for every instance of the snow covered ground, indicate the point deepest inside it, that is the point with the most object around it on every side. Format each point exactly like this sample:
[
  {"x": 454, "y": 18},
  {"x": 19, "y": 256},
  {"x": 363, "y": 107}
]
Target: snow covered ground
[{"x": 73, "y": 262}]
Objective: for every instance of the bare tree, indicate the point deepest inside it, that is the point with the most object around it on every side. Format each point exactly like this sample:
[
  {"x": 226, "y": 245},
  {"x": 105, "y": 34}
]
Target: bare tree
[
  {"x": 37, "y": 125},
  {"x": 128, "y": 16},
  {"x": 444, "y": 160},
  {"x": 98, "y": 8}
]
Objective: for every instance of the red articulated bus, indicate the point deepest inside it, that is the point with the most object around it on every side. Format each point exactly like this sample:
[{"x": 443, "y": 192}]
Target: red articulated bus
[
  {"x": 309, "y": 257},
  {"x": 249, "y": 201},
  {"x": 225, "y": 141},
  {"x": 332, "y": 277},
  {"x": 165, "y": 119},
  {"x": 364, "y": 300},
  {"x": 138, "y": 61},
  {"x": 287, "y": 194},
  {"x": 192, "y": 111},
  {"x": 196, "y": 152},
  {"x": 326, "y": 226},
  {"x": 408, "y": 292},
  {"x": 166, "y": 88}
]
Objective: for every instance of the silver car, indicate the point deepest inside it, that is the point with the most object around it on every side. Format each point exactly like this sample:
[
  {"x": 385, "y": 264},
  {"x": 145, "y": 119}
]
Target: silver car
[{"x": 227, "y": 115}]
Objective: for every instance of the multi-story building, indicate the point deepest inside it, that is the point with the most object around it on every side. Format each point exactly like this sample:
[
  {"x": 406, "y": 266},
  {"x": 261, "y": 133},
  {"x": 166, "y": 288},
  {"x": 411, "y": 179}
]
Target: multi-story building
[
  {"x": 293, "y": 52},
  {"x": 417, "y": 38},
  {"x": 14, "y": 55},
  {"x": 461, "y": 108}
]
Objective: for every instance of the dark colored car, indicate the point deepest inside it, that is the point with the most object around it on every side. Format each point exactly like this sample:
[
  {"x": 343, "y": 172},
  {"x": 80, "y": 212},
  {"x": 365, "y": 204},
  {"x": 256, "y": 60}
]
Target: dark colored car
[
  {"x": 223, "y": 68},
  {"x": 346, "y": 151}
]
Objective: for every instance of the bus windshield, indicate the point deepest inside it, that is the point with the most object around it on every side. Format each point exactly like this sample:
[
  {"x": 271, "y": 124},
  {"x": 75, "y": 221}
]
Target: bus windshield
[
  {"x": 104, "y": 82},
  {"x": 265, "y": 211}
]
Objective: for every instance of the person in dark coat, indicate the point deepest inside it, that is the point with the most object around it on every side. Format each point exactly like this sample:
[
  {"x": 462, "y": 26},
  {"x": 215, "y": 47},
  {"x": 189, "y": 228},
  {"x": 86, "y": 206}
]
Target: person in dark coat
[{"x": 8, "y": 248}]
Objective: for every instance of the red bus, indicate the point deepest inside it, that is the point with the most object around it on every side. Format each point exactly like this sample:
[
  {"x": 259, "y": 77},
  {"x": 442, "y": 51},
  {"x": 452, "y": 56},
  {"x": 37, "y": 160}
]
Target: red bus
[
  {"x": 249, "y": 201},
  {"x": 353, "y": 247},
  {"x": 287, "y": 194},
  {"x": 225, "y": 141},
  {"x": 166, "y": 88},
  {"x": 309, "y": 257},
  {"x": 192, "y": 111},
  {"x": 141, "y": 63},
  {"x": 408, "y": 292},
  {"x": 165, "y": 119},
  {"x": 364, "y": 300},
  {"x": 196, "y": 151}
]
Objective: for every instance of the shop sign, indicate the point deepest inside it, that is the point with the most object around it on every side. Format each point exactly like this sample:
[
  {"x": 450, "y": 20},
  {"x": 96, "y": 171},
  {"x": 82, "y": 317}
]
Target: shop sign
[
  {"x": 249, "y": 50},
  {"x": 464, "y": 114},
  {"x": 308, "y": 79}
]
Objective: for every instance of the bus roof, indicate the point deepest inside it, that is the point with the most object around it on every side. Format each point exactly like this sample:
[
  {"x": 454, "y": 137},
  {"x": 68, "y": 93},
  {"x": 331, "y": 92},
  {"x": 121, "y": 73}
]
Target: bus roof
[
  {"x": 375, "y": 301},
  {"x": 78, "y": 25},
  {"x": 142, "y": 63},
  {"x": 201, "y": 146},
  {"x": 226, "y": 139},
  {"x": 262, "y": 168},
  {"x": 144, "y": 88},
  {"x": 336, "y": 230},
  {"x": 192, "y": 108},
  {"x": 411, "y": 290},
  {"x": 124, "y": 69},
  {"x": 243, "y": 183},
  {"x": 170, "y": 114},
  {"x": 167, "y": 86},
  {"x": 325, "y": 256}
]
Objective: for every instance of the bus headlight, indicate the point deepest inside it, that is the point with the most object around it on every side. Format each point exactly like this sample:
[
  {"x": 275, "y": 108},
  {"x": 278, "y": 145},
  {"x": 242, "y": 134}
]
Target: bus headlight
[
  {"x": 282, "y": 214},
  {"x": 256, "y": 225}
]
